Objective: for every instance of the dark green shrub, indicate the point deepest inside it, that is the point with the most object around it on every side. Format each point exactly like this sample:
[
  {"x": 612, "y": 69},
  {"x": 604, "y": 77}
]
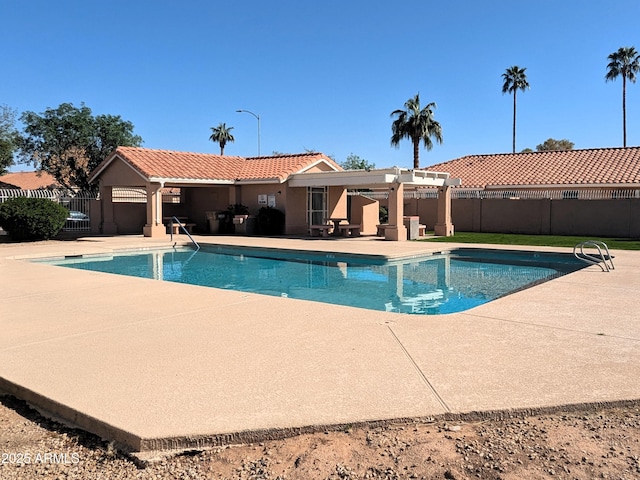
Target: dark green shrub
[
  {"x": 270, "y": 221},
  {"x": 32, "y": 218},
  {"x": 238, "y": 209}
]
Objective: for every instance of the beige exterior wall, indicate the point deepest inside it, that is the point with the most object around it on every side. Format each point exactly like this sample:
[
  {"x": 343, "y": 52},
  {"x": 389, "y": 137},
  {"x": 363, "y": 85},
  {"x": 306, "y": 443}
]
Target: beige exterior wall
[
  {"x": 196, "y": 201},
  {"x": 95, "y": 214},
  {"x": 296, "y": 214},
  {"x": 337, "y": 202},
  {"x": 515, "y": 216},
  {"x": 613, "y": 218},
  {"x": 248, "y": 195},
  {"x": 321, "y": 167},
  {"x": 119, "y": 174},
  {"x": 427, "y": 210},
  {"x": 130, "y": 218},
  {"x": 366, "y": 212}
]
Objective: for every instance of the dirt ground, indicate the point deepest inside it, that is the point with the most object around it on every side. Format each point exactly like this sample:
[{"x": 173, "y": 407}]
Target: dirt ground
[{"x": 577, "y": 444}]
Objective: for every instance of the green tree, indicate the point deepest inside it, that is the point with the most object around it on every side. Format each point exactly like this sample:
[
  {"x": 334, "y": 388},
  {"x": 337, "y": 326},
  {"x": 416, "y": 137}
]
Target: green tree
[
  {"x": 354, "y": 162},
  {"x": 221, "y": 134},
  {"x": 625, "y": 63},
  {"x": 551, "y": 144},
  {"x": 514, "y": 79},
  {"x": 69, "y": 142},
  {"x": 8, "y": 137},
  {"x": 415, "y": 124}
]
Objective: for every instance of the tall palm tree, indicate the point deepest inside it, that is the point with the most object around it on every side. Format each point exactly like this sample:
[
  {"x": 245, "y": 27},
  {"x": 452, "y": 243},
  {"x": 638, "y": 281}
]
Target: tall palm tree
[
  {"x": 222, "y": 135},
  {"x": 624, "y": 63},
  {"x": 514, "y": 79},
  {"x": 415, "y": 124}
]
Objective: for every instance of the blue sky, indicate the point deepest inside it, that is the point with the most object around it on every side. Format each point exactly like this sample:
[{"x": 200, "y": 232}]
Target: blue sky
[{"x": 325, "y": 75}]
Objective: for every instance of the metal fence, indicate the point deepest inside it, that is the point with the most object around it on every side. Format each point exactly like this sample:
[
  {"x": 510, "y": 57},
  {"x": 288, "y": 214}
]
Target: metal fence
[
  {"x": 552, "y": 194},
  {"x": 515, "y": 194},
  {"x": 78, "y": 204}
]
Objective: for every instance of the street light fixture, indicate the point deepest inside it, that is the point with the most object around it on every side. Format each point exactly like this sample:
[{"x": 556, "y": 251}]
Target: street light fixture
[{"x": 258, "y": 118}]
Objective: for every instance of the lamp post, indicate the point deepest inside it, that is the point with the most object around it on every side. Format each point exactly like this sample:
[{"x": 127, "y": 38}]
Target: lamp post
[{"x": 257, "y": 118}]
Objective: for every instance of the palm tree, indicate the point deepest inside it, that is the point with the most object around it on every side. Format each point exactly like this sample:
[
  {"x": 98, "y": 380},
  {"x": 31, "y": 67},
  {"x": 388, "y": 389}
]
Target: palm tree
[
  {"x": 415, "y": 124},
  {"x": 625, "y": 63},
  {"x": 222, "y": 135},
  {"x": 514, "y": 79}
]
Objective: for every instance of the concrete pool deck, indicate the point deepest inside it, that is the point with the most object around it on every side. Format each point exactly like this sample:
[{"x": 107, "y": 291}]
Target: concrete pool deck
[{"x": 158, "y": 365}]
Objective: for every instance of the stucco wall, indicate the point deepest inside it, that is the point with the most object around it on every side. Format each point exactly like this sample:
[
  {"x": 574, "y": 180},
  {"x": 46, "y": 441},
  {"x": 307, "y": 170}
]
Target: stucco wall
[
  {"x": 130, "y": 218},
  {"x": 514, "y": 216},
  {"x": 366, "y": 212},
  {"x": 196, "y": 201},
  {"x": 337, "y": 202},
  {"x": 248, "y": 195},
  {"x": 95, "y": 214},
  {"x": 296, "y": 215},
  {"x": 614, "y": 218},
  {"x": 121, "y": 175}
]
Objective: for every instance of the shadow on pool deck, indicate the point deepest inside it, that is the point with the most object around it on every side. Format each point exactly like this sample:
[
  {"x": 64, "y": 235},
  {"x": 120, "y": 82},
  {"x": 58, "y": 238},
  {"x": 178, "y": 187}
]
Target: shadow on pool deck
[{"x": 157, "y": 365}]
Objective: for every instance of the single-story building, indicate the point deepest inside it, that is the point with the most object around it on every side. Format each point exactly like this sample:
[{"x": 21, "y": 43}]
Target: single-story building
[
  {"x": 567, "y": 170},
  {"x": 589, "y": 192},
  {"x": 28, "y": 180},
  {"x": 310, "y": 188}
]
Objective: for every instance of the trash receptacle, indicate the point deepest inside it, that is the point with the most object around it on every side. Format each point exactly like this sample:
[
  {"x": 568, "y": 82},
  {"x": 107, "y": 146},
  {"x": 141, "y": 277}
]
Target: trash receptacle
[
  {"x": 245, "y": 226},
  {"x": 224, "y": 222},
  {"x": 213, "y": 221},
  {"x": 412, "y": 223}
]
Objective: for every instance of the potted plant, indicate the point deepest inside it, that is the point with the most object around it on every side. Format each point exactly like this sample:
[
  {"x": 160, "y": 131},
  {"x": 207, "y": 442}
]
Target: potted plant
[
  {"x": 243, "y": 223},
  {"x": 239, "y": 211}
]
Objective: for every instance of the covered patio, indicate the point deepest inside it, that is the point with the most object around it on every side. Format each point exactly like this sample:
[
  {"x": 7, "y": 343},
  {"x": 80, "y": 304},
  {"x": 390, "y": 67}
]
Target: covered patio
[{"x": 394, "y": 181}]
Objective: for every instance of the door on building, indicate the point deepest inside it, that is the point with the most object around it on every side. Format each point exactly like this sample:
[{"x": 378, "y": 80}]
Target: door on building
[{"x": 317, "y": 205}]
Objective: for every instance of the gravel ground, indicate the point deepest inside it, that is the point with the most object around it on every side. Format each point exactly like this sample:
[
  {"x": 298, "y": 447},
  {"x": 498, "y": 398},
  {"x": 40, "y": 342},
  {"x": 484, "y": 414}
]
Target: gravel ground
[{"x": 577, "y": 444}]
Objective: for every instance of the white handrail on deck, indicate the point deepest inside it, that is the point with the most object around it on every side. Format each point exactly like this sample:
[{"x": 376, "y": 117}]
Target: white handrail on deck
[
  {"x": 181, "y": 225},
  {"x": 605, "y": 262}
]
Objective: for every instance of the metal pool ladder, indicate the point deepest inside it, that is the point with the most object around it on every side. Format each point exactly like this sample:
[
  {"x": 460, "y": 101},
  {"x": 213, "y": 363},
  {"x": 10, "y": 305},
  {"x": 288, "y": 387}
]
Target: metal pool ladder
[
  {"x": 184, "y": 230},
  {"x": 605, "y": 261}
]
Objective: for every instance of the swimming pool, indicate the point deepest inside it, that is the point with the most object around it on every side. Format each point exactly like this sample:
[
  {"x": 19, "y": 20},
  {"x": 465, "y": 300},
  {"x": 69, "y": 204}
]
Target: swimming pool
[{"x": 440, "y": 283}]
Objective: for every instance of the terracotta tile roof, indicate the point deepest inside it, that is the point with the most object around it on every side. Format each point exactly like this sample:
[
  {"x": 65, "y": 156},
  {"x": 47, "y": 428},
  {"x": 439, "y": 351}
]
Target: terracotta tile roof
[
  {"x": 187, "y": 166},
  {"x": 280, "y": 166},
  {"x": 28, "y": 180},
  {"x": 180, "y": 165},
  {"x": 602, "y": 166}
]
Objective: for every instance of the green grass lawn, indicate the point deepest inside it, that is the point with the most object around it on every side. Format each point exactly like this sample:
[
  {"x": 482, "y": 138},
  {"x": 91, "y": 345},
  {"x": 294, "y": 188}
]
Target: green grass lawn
[{"x": 538, "y": 240}]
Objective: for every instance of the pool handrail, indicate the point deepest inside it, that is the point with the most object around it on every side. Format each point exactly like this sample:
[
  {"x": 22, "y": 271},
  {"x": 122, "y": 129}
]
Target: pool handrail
[
  {"x": 600, "y": 259},
  {"x": 181, "y": 225}
]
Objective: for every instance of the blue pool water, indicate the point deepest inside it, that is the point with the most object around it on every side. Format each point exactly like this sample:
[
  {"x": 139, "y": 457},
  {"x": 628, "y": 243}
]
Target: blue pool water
[{"x": 435, "y": 284}]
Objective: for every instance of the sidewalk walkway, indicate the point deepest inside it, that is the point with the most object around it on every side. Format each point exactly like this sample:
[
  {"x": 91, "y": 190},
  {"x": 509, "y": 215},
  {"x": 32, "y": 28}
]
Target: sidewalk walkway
[{"x": 157, "y": 365}]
